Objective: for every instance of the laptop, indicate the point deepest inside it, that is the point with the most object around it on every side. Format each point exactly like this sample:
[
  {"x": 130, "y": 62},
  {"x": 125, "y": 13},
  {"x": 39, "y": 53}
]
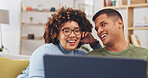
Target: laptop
[{"x": 93, "y": 67}]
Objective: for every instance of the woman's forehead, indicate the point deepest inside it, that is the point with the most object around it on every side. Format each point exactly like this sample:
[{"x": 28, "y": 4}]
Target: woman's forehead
[{"x": 70, "y": 24}]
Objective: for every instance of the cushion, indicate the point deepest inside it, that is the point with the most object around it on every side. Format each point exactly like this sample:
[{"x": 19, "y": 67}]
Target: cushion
[{"x": 10, "y": 68}]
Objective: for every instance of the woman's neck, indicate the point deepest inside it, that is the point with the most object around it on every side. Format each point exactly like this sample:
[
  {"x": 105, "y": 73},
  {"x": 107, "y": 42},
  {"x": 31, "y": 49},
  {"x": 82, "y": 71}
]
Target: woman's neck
[{"x": 64, "y": 50}]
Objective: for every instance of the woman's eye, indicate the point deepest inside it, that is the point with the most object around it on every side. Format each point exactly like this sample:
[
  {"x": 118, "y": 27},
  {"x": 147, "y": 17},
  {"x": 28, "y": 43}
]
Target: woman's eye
[
  {"x": 77, "y": 31},
  {"x": 66, "y": 31}
]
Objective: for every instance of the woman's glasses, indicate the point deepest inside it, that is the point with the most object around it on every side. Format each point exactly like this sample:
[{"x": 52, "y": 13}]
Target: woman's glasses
[{"x": 67, "y": 31}]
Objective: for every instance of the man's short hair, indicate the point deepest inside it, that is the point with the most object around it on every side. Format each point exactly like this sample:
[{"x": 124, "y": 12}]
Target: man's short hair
[{"x": 108, "y": 12}]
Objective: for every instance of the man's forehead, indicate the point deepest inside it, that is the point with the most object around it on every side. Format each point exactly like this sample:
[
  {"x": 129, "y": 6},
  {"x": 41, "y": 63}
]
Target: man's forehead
[{"x": 100, "y": 19}]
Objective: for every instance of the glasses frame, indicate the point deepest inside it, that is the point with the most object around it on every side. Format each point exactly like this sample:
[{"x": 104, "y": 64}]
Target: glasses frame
[{"x": 72, "y": 31}]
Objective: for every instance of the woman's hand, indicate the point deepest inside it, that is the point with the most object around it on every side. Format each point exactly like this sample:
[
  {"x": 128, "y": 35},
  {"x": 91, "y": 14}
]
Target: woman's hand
[{"x": 87, "y": 38}]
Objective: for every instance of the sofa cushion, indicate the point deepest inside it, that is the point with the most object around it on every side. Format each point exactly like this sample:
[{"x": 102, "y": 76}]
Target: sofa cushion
[
  {"x": 10, "y": 68},
  {"x": 13, "y": 56}
]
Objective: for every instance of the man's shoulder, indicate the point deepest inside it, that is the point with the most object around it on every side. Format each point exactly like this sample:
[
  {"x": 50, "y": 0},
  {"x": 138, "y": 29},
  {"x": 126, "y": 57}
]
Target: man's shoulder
[
  {"x": 97, "y": 51},
  {"x": 139, "y": 49}
]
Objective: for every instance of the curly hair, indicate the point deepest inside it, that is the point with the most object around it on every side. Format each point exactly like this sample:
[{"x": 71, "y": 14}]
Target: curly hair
[{"x": 54, "y": 25}]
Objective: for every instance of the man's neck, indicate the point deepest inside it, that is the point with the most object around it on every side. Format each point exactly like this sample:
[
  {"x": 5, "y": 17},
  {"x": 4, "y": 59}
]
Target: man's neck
[{"x": 118, "y": 46}]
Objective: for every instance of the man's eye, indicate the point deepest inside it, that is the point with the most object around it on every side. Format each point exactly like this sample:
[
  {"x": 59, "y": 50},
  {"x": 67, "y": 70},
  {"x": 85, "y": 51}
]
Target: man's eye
[{"x": 102, "y": 24}]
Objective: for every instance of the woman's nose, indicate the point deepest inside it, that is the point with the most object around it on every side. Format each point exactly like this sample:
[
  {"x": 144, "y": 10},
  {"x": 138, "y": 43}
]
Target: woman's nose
[{"x": 72, "y": 34}]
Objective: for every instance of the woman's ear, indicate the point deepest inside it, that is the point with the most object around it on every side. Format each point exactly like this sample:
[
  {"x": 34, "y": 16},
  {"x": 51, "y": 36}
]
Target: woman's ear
[{"x": 57, "y": 37}]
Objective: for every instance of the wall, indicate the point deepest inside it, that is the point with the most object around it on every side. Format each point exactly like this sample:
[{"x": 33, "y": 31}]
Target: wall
[
  {"x": 141, "y": 17},
  {"x": 11, "y": 32}
]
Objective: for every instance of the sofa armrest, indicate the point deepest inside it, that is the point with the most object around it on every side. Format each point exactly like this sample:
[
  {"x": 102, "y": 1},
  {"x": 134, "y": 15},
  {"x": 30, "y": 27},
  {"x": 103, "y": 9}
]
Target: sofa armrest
[{"x": 11, "y": 68}]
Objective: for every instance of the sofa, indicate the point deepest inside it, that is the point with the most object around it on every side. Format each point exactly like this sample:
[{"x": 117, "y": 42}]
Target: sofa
[{"x": 11, "y": 66}]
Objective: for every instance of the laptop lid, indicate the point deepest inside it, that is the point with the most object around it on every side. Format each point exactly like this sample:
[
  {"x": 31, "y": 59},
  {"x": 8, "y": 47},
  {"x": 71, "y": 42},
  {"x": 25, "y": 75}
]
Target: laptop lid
[{"x": 93, "y": 67}]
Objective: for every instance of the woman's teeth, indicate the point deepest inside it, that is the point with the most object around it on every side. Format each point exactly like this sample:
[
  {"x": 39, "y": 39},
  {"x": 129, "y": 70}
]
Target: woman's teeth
[{"x": 71, "y": 41}]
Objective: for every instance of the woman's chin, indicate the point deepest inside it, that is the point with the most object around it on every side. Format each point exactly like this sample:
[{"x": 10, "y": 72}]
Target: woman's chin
[{"x": 70, "y": 48}]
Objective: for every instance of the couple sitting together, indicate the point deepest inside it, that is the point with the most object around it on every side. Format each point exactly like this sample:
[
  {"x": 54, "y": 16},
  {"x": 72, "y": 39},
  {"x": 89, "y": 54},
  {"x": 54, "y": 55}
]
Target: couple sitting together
[{"x": 69, "y": 29}]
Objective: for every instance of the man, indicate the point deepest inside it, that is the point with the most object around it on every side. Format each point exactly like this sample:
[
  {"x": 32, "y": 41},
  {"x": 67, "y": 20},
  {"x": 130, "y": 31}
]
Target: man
[{"x": 110, "y": 29}]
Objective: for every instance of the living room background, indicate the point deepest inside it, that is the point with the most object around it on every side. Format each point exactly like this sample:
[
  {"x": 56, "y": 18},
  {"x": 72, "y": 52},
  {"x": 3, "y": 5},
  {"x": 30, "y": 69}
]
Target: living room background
[{"x": 11, "y": 32}]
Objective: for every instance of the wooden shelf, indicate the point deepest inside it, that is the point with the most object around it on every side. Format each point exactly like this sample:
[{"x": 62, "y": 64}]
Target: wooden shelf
[
  {"x": 44, "y": 10},
  {"x": 115, "y": 7},
  {"x": 138, "y": 28},
  {"x": 32, "y": 24},
  {"x": 138, "y": 5},
  {"x": 36, "y": 38},
  {"x": 127, "y": 6}
]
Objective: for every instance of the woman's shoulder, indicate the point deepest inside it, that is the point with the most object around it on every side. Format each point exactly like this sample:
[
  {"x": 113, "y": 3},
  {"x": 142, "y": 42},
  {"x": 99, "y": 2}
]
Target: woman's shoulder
[
  {"x": 47, "y": 49},
  {"x": 48, "y": 46}
]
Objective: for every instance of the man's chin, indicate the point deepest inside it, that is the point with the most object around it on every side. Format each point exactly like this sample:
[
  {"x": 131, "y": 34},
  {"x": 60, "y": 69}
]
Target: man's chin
[{"x": 104, "y": 43}]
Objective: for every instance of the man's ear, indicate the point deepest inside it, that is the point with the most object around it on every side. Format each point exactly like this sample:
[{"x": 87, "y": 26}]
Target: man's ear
[{"x": 120, "y": 23}]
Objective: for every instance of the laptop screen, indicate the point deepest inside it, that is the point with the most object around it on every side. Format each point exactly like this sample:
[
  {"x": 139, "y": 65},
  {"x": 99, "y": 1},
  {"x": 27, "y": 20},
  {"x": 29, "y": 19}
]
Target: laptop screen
[{"x": 93, "y": 67}]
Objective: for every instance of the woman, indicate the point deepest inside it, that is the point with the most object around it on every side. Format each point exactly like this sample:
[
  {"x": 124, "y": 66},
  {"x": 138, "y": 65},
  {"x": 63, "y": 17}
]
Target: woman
[{"x": 63, "y": 35}]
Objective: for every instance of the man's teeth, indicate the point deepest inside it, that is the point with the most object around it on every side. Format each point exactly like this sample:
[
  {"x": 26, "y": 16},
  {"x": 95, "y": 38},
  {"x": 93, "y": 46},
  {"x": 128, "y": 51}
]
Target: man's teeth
[
  {"x": 103, "y": 35},
  {"x": 71, "y": 41}
]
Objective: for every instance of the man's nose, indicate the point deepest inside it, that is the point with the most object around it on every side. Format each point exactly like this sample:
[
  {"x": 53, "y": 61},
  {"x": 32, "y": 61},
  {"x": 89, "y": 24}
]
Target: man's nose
[{"x": 100, "y": 29}]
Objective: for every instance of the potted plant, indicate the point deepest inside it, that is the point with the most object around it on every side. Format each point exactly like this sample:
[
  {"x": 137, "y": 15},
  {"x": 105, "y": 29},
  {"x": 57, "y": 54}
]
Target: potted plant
[
  {"x": 1, "y": 49},
  {"x": 31, "y": 18}
]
